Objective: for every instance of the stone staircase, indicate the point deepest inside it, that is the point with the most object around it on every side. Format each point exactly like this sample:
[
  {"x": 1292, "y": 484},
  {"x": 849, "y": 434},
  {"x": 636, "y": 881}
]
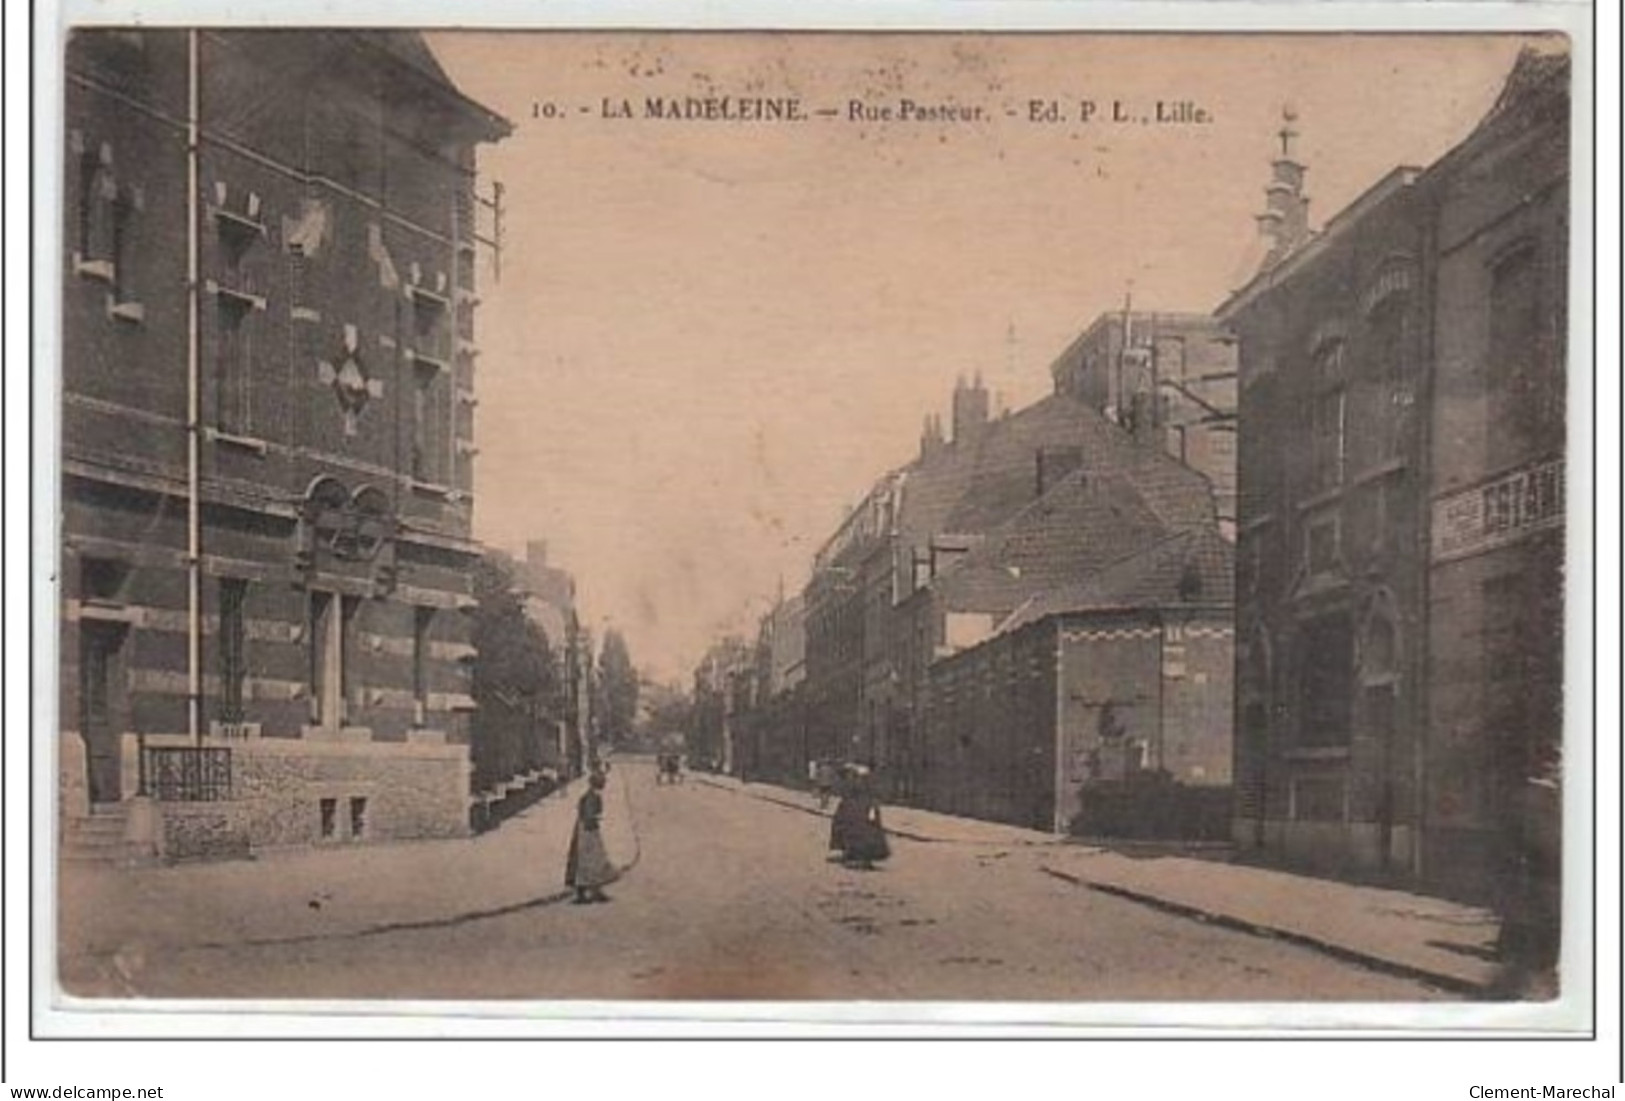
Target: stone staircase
[{"x": 99, "y": 837}]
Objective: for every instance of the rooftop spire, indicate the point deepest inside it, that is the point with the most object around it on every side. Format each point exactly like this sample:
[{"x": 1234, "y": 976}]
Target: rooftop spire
[{"x": 1285, "y": 220}]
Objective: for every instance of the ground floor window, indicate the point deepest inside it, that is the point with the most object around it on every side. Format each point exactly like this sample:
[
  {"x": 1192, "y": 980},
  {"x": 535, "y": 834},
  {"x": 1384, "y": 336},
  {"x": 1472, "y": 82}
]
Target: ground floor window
[
  {"x": 330, "y": 629},
  {"x": 232, "y": 640}
]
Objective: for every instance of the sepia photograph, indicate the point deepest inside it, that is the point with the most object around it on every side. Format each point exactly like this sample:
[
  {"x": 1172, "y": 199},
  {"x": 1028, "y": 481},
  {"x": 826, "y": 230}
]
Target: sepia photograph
[{"x": 818, "y": 517}]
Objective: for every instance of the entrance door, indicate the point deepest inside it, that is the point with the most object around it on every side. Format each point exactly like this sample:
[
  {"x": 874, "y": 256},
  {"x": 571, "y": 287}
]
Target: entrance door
[{"x": 99, "y": 645}]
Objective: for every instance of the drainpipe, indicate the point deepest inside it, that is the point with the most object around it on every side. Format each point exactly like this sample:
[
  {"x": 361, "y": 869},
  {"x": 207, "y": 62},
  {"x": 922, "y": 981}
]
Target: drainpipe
[
  {"x": 1058, "y": 822},
  {"x": 1423, "y": 410},
  {"x": 194, "y": 428}
]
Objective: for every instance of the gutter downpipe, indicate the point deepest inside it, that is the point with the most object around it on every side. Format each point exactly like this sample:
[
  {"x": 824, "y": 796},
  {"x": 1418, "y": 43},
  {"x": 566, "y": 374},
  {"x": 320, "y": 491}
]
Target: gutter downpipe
[
  {"x": 1421, "y": 709},
  {"x": 194, "y": 562},
  {"x": 1060, "y": 826}
]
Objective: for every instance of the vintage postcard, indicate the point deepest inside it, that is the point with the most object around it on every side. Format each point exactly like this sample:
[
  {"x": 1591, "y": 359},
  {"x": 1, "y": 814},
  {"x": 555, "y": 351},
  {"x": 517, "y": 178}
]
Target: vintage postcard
[{"x": 1067, "y": 522}]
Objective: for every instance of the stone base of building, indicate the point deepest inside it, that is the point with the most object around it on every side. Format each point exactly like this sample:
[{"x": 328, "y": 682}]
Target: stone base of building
[
  {"x": 1329, "y": 848},
  {"x": 336, "y": 788}
]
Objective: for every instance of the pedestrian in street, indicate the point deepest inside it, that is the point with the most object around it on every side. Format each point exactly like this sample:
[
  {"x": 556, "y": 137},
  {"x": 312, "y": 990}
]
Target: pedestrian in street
[
  {"x": 588, "y": 868},
  {"x": 825, "y": 778},
  {"x": 856, "y": 831}
]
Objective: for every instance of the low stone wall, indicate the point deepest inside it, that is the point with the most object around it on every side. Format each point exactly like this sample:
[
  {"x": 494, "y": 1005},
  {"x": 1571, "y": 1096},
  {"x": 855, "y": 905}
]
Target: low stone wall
[
  {"x": 1154, "y": 810},
  {"x": 1344, "y": 849},
  {"x": 202, "y": 830},
  {"x": 318, "y": 791}
]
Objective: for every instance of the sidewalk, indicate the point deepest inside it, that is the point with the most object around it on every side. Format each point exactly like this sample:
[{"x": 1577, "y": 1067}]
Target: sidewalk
[
  {"x": 907, "y": 822},
  {"x": 1442, "y": 942},
  {"x": 327, "y": 892}
]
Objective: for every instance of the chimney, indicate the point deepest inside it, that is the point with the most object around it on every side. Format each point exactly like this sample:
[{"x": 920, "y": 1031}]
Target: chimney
[
  {"x": 1284, "y": 224},
  {"x": 970, "y": 410},
  {"x": 931, "y": 440}
]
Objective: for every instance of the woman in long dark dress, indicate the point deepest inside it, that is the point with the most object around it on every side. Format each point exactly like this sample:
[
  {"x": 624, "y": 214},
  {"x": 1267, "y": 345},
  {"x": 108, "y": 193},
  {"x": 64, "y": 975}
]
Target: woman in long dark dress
[
  {"x": 855, "y": 831},
  {"x": 588, "y": 868}
]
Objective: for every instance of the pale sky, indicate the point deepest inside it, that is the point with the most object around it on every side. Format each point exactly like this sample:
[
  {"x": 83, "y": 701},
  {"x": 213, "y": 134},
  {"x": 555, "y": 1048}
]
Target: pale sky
[{"x": 710, "y": 338}]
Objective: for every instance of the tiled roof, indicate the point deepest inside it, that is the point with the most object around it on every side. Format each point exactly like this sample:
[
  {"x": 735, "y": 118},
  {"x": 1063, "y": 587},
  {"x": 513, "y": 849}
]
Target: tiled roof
[
  {"x": 1533, "y": 70},
  {"x": 409, "y": 47},
  {"x": 1080, "y": 527},
  {"x": 975, "y": 487},
  {"x": 1191, "y": 567}
]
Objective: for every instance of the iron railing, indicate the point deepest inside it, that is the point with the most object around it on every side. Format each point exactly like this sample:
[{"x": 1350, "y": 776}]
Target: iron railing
[{"x": 186, "y": 774}]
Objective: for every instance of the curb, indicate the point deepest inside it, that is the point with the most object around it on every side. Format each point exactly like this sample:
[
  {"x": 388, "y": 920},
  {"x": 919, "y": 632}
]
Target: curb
[
  {"x": 816, "y": 813},
  {"x": 1452, "y": 983},
  {"x": 891, "y": 831}
]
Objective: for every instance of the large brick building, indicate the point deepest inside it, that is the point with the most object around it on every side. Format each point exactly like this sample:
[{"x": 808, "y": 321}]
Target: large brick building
[
  {"x": 268, "y": 265},
  {"x": 1399, "y": 578}
]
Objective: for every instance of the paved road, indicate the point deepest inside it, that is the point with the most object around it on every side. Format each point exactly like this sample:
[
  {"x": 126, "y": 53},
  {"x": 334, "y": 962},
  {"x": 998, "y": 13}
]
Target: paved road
[{"x": 732, "y": 898}]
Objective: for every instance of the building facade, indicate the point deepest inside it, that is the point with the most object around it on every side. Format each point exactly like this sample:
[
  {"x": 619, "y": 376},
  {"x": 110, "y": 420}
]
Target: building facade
[
  {"x": 268, "y": 366},
  {"x": 724, "y": 695},
  {"x": 1399, "y": 574},
  {"x": 1497, "y": 453}
]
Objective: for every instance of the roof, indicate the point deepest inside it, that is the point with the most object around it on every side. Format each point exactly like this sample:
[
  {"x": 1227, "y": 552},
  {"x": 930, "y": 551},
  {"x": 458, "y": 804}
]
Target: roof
[
  {"x": 976, "y": 486},
  {"x": 1087, "y": 522},
  {"x": 1342, "y": 224},
  {"x": 1532, "y": 73},
  {"x": 409, "y": 48},
  {"x": 1191, "y": 568}
]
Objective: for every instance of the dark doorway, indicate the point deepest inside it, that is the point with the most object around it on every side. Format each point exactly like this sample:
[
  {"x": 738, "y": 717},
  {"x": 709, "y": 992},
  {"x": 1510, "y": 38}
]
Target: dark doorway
[
  {"x": 99, "y": 706},
  {"x": 1381, "y": 713}
]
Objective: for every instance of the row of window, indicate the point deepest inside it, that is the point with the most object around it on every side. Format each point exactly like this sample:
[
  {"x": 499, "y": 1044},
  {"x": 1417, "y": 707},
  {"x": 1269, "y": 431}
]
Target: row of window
[
  {"x": 330, "y": 632},
  {"x": 1362, "y": 423},
  {"x": 102, "y": 250}
]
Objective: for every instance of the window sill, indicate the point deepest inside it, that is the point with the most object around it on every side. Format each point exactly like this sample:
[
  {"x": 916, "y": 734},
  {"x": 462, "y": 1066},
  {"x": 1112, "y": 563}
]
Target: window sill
[
  {"x": 428, "y": 361},
  {"x": 231, "y": 295},
  {"x": 104, "y": 611},
  {"x": 1320, "y": 498},
  {"x": 423, "y": 296},
  {"x": 1322, "y": 585},
  {"x": 1378, "y": 472},
  {"x": 431, "y": 489},
  {"x": 101, "y": 270},
  {"x": 232, "y": 439},
  {"x": 239, "y": 223},
  {"x": 1317, "y": 753},
  {"x": 133, "y": 312}
]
